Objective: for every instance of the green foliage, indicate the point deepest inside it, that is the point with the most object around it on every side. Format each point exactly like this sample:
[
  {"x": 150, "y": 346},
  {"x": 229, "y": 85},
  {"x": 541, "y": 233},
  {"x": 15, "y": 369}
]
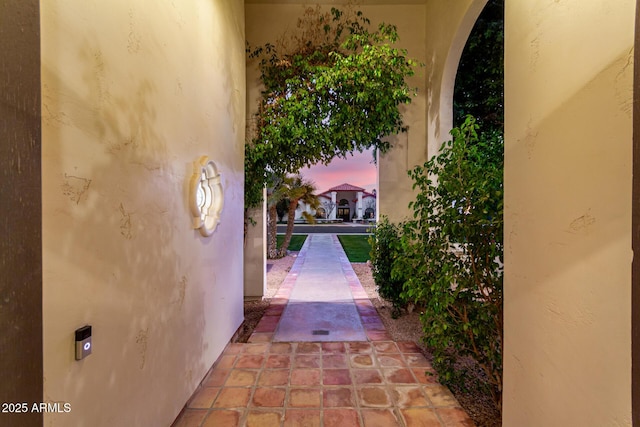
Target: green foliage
[
  {"x": 454, "y": 250},
  {"x": 297, "y": 240},
  {"x": 479, "y": 87},
  {"x": 332, "y": 87},
  {"x": 448, "y": 258},
  {"x": 356, "y": 246},
  {"x": 256, "y": 178},
  {"x": 385, "y": 249}
]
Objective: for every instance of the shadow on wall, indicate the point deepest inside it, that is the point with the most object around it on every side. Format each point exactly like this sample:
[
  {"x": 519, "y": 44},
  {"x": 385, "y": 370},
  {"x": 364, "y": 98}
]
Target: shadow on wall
[
  {"x": 112, "y": 226},
  {"x": 579, "y": 232}
]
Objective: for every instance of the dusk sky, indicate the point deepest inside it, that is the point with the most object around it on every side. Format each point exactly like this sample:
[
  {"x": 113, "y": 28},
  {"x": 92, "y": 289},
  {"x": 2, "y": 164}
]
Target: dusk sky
[{"x": 357, "y": 170}]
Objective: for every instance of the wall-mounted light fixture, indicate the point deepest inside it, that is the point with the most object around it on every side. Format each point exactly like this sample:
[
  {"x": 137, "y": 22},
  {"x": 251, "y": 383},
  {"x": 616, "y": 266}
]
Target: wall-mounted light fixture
[{"x": 205, "y": 196}]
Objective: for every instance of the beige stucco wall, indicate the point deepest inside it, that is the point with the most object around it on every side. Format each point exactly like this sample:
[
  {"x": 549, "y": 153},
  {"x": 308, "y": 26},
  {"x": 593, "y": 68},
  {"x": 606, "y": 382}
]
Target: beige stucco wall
[
  {"x": 448, "y": 27},
  {"x": 255, "y": 253},
  {"x": 568, "y": 98},
  {"x": 437, "y": 34},
  {"x": 409, "y": 149},
  {"x": 134, "y": 92}
]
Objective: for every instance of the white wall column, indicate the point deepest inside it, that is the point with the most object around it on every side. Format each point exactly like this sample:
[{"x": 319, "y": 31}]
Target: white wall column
[
  {"x": 359, "y": 205},
  {"x": 255, "y": 253},
  {"x": 332, "y": 214}
]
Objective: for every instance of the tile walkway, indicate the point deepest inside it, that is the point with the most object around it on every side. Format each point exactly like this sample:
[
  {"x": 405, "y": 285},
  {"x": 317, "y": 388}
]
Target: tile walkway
[{"x": 367, "y": 382}]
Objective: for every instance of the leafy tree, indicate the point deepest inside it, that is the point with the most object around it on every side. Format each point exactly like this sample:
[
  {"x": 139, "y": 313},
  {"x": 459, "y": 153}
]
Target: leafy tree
[
  {"x": 453, "y": 253},
  {"x": 331, "y": 87}
]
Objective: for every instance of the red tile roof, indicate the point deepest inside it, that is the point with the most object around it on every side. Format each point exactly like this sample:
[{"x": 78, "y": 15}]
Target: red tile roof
[{"x": 345, "y": 187}]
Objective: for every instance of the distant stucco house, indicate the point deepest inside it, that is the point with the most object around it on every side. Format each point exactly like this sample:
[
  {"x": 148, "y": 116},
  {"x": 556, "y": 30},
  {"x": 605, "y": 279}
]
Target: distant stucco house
[
  {"x": 345, "y": 201},
  {"x": 348, "y": 202}
]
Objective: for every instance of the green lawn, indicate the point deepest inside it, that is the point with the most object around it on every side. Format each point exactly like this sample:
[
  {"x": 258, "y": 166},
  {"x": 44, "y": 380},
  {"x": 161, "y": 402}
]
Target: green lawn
[
  {"x": 357, "y": 247},
  {"x": 297, "y": 240}
]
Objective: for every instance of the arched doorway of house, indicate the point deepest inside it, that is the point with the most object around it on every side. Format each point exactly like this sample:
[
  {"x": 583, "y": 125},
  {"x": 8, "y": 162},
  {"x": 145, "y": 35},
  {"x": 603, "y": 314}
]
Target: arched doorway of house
[
  {"x": 369, "y": 213},
  {"x": 344, "y": 212},
  {"x": 479, "y": 92}
]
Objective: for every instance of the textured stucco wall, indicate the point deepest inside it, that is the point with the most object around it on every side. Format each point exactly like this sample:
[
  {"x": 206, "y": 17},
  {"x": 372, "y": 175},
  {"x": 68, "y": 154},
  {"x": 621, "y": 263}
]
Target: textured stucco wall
[
  {"x": 133, "y": 92},
  {"x": 448, "y": 27},
  {"x": 568, "y": 98},
  {"x": 437, "y": 33},
  {"x": 409, "y": 148},
  {"x": 255, "y": 253}
]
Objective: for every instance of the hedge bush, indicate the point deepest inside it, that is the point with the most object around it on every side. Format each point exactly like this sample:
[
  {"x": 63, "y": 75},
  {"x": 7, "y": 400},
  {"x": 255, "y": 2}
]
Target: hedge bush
[
  {"x": 384, "y": 241},
  {"x": 448, "y": 257}
]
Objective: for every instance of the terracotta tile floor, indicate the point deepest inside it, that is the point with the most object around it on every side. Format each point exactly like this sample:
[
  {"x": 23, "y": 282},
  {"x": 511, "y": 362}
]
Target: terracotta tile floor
[
  {"x": 370, "y": 383},
  {"x": 381, "y": 383}
]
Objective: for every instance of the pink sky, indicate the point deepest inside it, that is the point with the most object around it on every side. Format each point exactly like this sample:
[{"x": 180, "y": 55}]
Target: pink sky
[{"x": 357, "y": 169}]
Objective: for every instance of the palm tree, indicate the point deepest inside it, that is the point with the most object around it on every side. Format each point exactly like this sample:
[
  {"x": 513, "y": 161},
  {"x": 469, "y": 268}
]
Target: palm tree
[
  {"x": 292, "y": 190},
  {"x": 299, "y": 190},
  {"x": 275, "y": 195}
]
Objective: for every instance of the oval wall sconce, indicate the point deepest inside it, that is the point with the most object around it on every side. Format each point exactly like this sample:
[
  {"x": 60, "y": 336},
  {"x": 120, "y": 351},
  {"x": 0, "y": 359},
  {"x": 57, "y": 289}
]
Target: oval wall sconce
[{"x": 205, "y": 196}]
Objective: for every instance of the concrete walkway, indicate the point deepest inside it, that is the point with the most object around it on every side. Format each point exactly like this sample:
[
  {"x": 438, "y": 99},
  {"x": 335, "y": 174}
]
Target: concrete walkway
[
  {"x": 321, "y": 277},
  {"x": 321, "y": 356},
  {"x": 321, "y": 306}
]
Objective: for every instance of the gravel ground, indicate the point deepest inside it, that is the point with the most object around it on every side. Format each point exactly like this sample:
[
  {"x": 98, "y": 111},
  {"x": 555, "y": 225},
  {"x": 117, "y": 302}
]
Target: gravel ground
[{"x": 406, "y": 327}]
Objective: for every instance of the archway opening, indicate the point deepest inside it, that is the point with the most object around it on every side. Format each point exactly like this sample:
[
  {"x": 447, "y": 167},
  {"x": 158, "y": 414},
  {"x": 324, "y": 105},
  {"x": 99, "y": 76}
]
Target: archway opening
[
  {"x": 474, "y": 187},
  {"x": 479, "y": 82}
]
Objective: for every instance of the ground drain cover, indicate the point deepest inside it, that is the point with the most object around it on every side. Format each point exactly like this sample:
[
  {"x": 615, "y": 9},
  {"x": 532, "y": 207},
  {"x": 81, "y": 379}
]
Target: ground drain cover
[{"x": 320, "y": 332}]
